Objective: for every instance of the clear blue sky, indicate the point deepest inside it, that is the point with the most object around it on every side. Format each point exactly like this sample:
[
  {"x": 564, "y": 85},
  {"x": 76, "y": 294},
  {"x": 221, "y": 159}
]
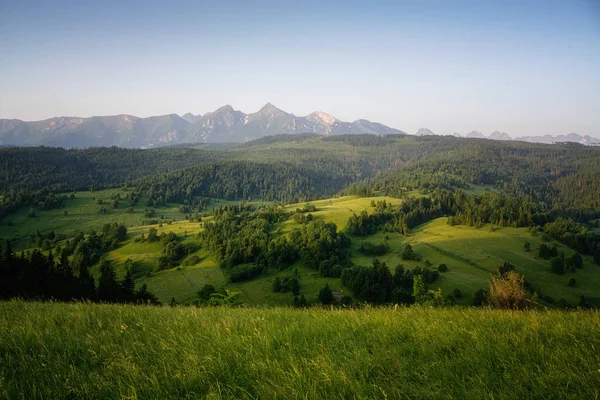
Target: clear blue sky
[{"x": 524, "y": 67}]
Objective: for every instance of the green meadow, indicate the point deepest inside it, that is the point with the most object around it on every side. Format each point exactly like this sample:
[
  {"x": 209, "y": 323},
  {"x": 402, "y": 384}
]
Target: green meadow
[
  {"x": 471, "y": 254},
  {"x": 141, "y": 352},
  {"x": 81, "y": 214}
]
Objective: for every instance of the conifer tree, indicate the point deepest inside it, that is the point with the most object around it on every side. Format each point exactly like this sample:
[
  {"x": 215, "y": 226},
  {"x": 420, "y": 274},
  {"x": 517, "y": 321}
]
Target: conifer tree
[
  {"x": 128, "y": 287},
  {"x": 108, "y": 289},
  {"x": 326, "y": 295}
]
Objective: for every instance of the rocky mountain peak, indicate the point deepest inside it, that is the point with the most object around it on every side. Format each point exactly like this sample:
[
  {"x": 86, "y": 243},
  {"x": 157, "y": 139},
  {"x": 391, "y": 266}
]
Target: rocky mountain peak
[
  {"x": 271, "y": 111},
  {"x": 322, "y": 118},
  {"x": 226, "y": 109}
]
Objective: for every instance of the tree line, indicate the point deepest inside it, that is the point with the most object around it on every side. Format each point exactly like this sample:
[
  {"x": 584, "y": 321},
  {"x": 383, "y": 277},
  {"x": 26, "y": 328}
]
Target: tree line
[{"x": 42, "y": 275}]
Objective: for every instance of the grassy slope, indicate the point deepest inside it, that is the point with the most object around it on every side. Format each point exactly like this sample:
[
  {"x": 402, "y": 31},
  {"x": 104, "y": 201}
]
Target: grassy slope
[
  {"x": 59, "y": 351},
  {"x": 470, "y": 253},
  {"x": 82, "y": 215},
  {"x": 183, "y": 283}
]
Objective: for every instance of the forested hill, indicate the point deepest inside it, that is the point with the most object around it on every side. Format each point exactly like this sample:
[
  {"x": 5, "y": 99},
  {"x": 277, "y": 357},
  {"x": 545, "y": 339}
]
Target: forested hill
[
  {"x": 57, "y": 169},
  {"x": 301, "y": 167}
]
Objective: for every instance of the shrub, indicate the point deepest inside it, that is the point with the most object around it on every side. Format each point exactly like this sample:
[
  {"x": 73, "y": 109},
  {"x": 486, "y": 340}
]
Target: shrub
[
  {"x": 374, "y": 249},
  {"x": 480, "y": 298},
  {"x": 508, "y": 291},
  {"x": 326, "y": 295},
  {"x": 409, "y": 254},
  {"x": 572, "y": 282},
  {"x": 244, "y": 272},
  {"x": 450, "y": 300},
  {"x": 562, "y": 303},
  {"x": 544, "y": 251},
  {"x": 577, "y": 260},
  {"x": 205, "y": 292},
  {"x": 346, "y": 301},
  {"x": 191, "y": 260},
  {"x": 429, "y": 276},
  {"x": 164, "y": 262},
  {"x": 557, "y": 264},
  {"x": 443, "y": 268}
]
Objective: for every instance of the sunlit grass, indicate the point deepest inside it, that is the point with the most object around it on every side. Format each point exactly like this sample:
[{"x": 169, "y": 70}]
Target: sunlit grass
[{"x": 58, "y": 351}]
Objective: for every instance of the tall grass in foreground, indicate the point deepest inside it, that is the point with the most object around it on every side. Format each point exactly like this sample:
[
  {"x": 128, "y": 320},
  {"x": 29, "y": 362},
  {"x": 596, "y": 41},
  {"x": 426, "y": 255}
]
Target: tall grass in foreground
[{"x": 77, "y": 351}]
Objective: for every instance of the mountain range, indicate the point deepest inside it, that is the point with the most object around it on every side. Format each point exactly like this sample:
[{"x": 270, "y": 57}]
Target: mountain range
[
  {"x": 547, "y": 139},
  {"x": 222, "y": 125}
]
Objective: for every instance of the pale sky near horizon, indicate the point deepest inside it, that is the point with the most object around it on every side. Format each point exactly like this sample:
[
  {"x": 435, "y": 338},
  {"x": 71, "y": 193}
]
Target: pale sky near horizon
[{"x": 522, "y": 67}]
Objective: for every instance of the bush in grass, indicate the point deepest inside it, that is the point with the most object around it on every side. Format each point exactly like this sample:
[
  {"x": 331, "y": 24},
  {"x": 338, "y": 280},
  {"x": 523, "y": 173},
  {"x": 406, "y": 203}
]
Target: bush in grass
[
  {"x": 374, "y": 249},
  {"x": 508, "y": 291},
  {"x": 326, "y": 295},
  {"x": 191, "y": 260},
  {"x": 244, "y": 272},
  {"x": 480, "y": 298},
  {"x": 557, "y": 264},
  {"x": 409, "y": 254}
]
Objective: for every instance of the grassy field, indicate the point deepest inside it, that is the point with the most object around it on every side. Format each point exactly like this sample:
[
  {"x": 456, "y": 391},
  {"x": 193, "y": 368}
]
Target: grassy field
[
  {"x": 75, "y": 351},
  {"x": 183, "y": 283},
  {"x": 472, "y": 254},
  {"x": 82, "y": 216}
]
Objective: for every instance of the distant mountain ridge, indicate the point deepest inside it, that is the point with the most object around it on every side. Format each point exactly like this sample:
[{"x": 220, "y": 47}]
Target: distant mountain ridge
[
  {"x": 222, "y": 125},
  {"x": 225, "y": 124},
  {"x": 547, "y": 139},
  {"x": 571, "y": 137}
]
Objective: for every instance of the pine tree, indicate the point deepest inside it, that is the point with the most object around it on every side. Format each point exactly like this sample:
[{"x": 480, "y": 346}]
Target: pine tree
[
  {"x": 143, "y": 296},
  {"x": 108, "y": 289},
  {"x": 8, "y": 253},
  {"x": 64, "y": 279},
  {"x": 420, "y": 294},
  {"x": 326, "y": 295},
  {"x": 128, "y": 287},
  {"x": 295, "y": 286},
  {"x": 87, "y": 286}
]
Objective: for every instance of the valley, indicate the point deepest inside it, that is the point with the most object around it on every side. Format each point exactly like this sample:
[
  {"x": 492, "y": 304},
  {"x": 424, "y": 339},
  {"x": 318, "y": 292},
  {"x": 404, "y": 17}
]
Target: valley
[{"x": 471, "y": 254}]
